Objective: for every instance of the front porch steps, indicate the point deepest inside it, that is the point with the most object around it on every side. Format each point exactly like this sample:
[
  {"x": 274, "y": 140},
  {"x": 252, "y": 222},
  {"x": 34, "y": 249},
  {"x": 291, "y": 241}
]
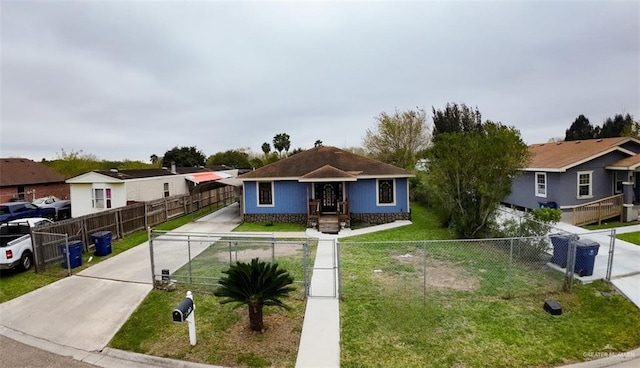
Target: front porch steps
[{"x": 328, "y": 224}]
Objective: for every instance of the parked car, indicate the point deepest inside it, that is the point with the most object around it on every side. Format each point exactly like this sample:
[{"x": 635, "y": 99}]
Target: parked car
[
  {"x": 17, "y": 210},
  {"x": 62, "y": 206},
  {"x": 15, "y": 243}
]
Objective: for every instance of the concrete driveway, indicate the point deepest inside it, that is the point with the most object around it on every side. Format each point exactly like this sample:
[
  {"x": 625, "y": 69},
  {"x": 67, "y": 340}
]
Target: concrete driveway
[{"x": 86, "y": 310}]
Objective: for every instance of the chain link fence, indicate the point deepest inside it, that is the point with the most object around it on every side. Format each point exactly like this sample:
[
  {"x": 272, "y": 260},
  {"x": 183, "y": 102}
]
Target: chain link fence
[
  {"x": 502, "y": 268},
  {"x": 199, "y": 259},
  {"x": 494, "y": 268}
]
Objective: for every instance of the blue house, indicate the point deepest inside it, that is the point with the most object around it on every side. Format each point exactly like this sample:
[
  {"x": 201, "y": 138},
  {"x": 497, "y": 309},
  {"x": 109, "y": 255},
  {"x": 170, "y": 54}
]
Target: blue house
[
  {"x": 578, "y": 174},
  {"x": 326, "y": 187}
]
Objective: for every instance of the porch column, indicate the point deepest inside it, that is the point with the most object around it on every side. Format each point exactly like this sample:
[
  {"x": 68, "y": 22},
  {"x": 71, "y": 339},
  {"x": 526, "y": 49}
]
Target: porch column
[{"x": 628, "y": 213}]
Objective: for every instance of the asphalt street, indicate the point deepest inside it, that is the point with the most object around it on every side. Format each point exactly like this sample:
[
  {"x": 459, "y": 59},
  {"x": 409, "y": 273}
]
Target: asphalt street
[{"x": 18, "y": 355}]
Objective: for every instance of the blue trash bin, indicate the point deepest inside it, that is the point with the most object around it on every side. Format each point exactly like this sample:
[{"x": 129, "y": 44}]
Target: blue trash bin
[
  {"x": 560, "y": 249},
  {"x": 102, "y": 241},
  {"x": 75, "y": 254},
  {"x": 586, "y": 252}
]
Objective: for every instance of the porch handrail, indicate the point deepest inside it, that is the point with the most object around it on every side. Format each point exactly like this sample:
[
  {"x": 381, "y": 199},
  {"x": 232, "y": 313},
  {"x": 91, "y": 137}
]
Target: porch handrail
[{"x": 597, "y": 210}]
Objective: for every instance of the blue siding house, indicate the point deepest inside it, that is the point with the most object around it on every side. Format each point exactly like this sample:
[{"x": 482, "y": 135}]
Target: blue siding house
[
  {"x": 326, "y": 187},
  {"x": 574, "y": 173}
]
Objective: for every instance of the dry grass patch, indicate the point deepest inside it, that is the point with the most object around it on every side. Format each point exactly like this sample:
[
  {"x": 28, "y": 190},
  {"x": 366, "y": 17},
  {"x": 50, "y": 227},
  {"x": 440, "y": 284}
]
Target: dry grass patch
[{"x": 223, "y": 333}]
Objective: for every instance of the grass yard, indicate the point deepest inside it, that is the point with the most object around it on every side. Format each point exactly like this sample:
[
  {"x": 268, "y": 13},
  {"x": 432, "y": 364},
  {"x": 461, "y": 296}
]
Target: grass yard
[
  {"x": 223, "y": 333},
  {"x": 462, "y": 330},
  {"x": 465, "y": 319},
  {"x": 609, "y": 224},
  {"x": 633, "y": 238},
  {"x": 13, "y": 284},
  {"x": 224, "y": 337}
]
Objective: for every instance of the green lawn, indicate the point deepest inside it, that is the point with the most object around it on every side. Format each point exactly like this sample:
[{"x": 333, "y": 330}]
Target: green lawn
[
  {"x": 223, "y": 328},
  {"x": 222, "y": 331},
  {"x": 385, "y": 321},
  {"x": 633, "y": 238},
  {"x": 609, "y": 225}
]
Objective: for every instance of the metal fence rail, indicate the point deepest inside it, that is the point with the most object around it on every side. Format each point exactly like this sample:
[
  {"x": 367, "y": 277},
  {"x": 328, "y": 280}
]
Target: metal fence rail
[
  {"x": 500, "y": 268},
  {"x": 200, "y": 258}
]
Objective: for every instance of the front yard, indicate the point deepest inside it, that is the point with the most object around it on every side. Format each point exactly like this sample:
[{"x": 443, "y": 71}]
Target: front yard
[{"x": 465, "y": 319}]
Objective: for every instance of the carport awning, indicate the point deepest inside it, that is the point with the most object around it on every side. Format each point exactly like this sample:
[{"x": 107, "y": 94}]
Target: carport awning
[{"x": 204, "y": 177}]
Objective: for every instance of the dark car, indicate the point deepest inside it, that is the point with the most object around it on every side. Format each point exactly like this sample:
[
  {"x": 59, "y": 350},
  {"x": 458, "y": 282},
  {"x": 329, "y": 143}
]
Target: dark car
[
  {"x": 62, "y": 206},
  {"x": 17, "y": 210}
]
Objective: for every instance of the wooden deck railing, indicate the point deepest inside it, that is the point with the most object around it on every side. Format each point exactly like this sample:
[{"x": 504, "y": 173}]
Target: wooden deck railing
[
  {"x": 315, "y": 211},
  {"x": 597, "y": 211}
]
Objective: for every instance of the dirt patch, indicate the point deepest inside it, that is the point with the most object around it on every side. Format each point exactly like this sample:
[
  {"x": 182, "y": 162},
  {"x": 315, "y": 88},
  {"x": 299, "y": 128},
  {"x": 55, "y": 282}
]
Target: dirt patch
[
  {"x": 277, "y": 345},
  {"x": 245, "y": 255},
  {"x": 440, "y": 274}
]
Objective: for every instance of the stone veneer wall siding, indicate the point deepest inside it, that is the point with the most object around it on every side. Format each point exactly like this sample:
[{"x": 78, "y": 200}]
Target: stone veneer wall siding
[
  {"x": 299, "y": 218},
  {"x": 380, "y": 218},
  {"x": 296, "y": 218}
]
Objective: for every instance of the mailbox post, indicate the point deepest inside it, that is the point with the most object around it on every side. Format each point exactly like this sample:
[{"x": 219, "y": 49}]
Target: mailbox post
[{"x": 185, "y": 312}]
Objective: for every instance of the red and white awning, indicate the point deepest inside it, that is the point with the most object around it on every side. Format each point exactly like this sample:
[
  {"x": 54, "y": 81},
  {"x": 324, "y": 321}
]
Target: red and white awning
[{"x": 204, "y": 177}]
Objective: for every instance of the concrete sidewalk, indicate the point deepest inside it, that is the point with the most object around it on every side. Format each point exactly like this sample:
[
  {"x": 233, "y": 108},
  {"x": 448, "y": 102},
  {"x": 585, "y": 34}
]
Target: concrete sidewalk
[
  {"x": 625, "y": 271},
  {"x": 79, "y": 315},
  {"x": 320, "y": 338}
]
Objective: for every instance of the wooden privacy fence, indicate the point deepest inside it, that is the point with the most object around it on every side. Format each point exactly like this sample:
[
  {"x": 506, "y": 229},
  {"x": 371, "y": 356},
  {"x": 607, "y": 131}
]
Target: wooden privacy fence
[
  {"x": 124, "y": 221},
  {"x": 597, "y": 211}
]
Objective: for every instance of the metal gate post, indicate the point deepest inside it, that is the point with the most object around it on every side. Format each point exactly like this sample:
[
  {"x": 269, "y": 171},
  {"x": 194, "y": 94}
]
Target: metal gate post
[
  {"x": 424, "y": 275},
  {"x": 509, "y": 272},
  {"x": 612, "y": 245},
  {"x": 189, "y": 257},
  {"x": 153, "y": 269},
  {"x": 337, "y": 267},
  {"x": 305, "y": 267}
]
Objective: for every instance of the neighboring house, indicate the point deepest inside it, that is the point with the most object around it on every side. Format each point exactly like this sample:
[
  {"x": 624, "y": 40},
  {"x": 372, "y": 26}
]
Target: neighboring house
[
  {"x": 326, "y": 182},
  {"x": 22, "y": 179},
  {"x": 102, "y": 190},
  {"x": 572, "y": 173}
]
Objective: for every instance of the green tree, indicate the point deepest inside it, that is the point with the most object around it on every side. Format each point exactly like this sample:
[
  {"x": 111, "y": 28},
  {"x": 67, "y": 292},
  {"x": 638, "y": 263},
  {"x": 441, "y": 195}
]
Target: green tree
[
  {"x": 256, "y": 284},
  {"x": 282, "y": 142},
  {"x": 470, "y": 173},
  {"x": 456, "y": 119},
  {"x": 396, "y": 139},
  {"x": 266, "y": 148},
  {"x": 580, "y": 129},
  {"x": 616, "y": 126},
  {"x": 256, "y": 163},
  {"x": 317, "y": 143},
  {"x": 154, "y": 158},
  {"x": 183, "y": 157},
  {"x": 232, "y": 158}
]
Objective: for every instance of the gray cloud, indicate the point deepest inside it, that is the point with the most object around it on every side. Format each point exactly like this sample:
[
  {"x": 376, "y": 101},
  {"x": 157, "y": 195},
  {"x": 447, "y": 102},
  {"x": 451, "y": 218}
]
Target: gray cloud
[{"x": 124, "y": 80}]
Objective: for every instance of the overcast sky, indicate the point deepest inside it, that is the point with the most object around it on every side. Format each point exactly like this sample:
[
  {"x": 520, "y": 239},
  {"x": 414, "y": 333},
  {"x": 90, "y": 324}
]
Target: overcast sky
[{"x": 125, "y": 80}]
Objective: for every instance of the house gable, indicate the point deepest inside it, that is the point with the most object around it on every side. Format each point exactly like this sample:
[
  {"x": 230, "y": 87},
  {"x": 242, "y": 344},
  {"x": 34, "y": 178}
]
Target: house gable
[
  {"x": 22, "y": 171},
  {"x": 562, "y": 156}
]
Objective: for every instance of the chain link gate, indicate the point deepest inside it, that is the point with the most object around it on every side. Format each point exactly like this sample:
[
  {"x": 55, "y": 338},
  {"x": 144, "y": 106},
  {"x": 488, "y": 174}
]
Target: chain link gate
[
  {"x": 201, "y": 258},
  {"x": 324, "y": 272}
]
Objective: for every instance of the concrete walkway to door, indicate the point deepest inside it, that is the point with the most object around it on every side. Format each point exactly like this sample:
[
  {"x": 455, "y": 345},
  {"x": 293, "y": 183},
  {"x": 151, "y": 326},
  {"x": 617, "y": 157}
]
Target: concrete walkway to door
[{"x": 320, "y": 338}]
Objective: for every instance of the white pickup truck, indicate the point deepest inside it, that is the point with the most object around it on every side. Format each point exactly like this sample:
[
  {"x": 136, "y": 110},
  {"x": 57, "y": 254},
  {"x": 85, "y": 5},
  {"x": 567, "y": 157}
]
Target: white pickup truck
[{"x": 16, "y": 250}]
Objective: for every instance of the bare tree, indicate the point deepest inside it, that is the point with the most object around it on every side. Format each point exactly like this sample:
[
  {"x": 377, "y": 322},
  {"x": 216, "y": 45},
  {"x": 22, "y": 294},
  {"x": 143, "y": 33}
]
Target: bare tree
[{"x": 398, "y": 138}]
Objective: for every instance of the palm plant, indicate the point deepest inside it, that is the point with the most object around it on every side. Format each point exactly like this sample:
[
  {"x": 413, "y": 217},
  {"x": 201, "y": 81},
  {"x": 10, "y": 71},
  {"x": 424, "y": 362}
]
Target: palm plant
[{"x": 256, "y": 284}]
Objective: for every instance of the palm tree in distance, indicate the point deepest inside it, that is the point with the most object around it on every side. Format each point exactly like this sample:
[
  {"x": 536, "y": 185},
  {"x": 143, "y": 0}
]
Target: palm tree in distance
[{"x": 256, "y": 284}]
